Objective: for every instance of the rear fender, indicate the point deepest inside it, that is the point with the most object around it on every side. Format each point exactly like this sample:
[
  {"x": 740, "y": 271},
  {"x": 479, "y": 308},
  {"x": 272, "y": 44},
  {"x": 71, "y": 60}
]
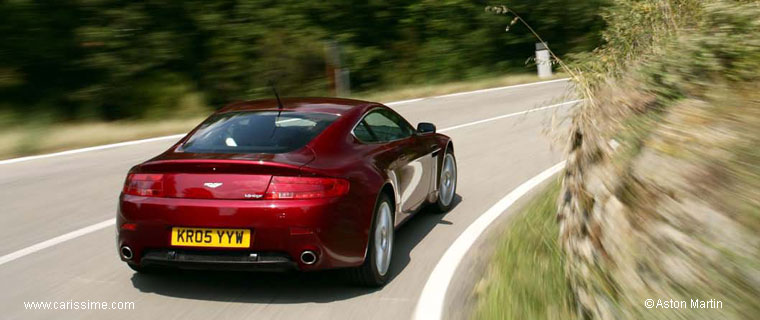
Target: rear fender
[
  {"x": 449, "y": 145},
  {"x": 393, "y": 181}
]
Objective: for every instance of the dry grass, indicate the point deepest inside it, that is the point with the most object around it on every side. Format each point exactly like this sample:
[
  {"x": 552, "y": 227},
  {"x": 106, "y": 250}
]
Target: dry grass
[
  {"x": 39, "y": 139},
  {"x": 35, "y": 139},
  {"x": 671, "y": 212}
]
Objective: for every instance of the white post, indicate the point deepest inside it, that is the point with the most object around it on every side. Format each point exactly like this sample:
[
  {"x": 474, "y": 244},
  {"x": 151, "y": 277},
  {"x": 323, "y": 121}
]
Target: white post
[
  {"x": 340, "y": 78},
  {"x": 343, "y": 83},
  {"x": 543, "y": 61}
]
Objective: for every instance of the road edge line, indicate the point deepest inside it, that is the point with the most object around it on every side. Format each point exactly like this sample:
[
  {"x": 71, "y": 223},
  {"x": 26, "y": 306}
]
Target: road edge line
[
  {"x": 88, "y": 149},
  {"x": 455, "y": 94},
  {"x": 177, "y": 136},
  {"x": 431, "y": 300},
  {"x": 464, "y": 125}
]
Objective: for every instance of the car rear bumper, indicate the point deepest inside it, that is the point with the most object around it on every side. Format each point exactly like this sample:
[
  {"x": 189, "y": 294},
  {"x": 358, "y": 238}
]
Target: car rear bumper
[
  {"x": 334, "y": 229},
  {"x": 232, "y": 260}
]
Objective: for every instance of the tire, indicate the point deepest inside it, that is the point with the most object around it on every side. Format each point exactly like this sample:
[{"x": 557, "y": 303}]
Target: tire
[
  {"x": 375, "y": 272},
  {"x": 447, "y": 183}
]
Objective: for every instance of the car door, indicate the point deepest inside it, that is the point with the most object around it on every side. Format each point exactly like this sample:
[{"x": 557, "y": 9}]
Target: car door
[{"x": 404, "y": 157}]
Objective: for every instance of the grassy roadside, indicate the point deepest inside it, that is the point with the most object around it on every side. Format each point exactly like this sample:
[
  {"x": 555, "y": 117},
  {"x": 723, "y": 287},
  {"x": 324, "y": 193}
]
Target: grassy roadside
[
  {"x": 30, "y": 140},
  {"x": 526, "y": 278},
  {"x": 22, "y": 140}
]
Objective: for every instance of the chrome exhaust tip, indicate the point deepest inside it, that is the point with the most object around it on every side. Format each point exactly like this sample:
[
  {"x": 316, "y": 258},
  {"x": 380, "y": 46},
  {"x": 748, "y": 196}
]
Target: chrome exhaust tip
[
  {"x": 308, "y": 257},
  {"x": 126, "y": 253}
]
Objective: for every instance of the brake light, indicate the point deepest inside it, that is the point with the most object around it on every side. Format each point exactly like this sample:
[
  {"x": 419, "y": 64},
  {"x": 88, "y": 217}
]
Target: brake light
[
  {"x": 129, "y": 226},
  {"x": 144, "y": 184},
  {"x": 305, "y": 188}
]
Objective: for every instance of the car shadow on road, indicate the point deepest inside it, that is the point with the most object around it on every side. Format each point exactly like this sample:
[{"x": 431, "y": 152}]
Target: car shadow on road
[
  {"x": 413, "y": 231},
  {"x": 286, "y": 287}
]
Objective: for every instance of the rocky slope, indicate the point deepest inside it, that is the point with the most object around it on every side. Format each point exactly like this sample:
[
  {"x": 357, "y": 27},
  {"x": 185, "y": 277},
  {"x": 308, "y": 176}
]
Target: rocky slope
[{"x": 661, "y": 194}]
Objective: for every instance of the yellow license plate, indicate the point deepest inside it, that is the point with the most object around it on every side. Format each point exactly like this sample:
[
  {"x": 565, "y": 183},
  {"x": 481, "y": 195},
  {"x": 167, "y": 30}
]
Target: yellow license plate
[{"x": 208, "y": 237}]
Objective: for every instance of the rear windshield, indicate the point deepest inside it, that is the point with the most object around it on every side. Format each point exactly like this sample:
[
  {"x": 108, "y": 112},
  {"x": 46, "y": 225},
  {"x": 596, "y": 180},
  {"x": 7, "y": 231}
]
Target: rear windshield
[{"x": 257, "y": 132}]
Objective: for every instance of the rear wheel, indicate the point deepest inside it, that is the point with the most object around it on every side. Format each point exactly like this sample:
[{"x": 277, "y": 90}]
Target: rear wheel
[
  {"x": 375, "y": 270},
  {"x": 447, "y": 184}
]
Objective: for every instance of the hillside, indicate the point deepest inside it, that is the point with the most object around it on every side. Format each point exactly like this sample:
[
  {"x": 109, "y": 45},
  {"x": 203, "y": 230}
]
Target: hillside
[{"x": 661, "y": 195}]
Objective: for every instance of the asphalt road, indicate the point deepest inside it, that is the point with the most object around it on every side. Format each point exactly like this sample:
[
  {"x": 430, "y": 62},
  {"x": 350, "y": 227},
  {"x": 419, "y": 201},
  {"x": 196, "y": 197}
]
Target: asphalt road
[{"x": 45, "y": 198}]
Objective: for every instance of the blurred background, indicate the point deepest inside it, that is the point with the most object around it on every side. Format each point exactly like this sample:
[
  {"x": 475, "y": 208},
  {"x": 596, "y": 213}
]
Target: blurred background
[{"x": 111, "y": 60}]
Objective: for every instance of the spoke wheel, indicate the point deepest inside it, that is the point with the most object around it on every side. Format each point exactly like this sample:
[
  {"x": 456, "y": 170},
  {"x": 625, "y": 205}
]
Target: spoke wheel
[
  {"x": 383, "y": 238},
  {"x": 375, "y": 270},
  {"x": 447, "y": 186}
]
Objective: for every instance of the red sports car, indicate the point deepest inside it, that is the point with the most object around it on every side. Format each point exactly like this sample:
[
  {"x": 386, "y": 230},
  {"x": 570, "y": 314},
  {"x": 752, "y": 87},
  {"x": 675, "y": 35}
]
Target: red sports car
[{"x": 305, "y": 184}]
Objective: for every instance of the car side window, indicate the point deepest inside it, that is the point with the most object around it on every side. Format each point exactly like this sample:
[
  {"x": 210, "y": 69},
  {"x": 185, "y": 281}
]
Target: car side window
[
  {"x": 381, "y": 126},
  {"x": 362, "y": 132},
  {"x": 406, "y": 129}
]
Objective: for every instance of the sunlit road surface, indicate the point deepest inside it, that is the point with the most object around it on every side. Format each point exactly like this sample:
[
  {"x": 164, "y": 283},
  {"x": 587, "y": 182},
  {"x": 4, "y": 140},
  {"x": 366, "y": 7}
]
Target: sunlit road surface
[{"x": 45, "y": 198}]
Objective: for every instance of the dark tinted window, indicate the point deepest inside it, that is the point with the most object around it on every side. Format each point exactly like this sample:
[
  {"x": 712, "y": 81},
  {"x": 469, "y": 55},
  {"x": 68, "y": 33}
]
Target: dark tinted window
[
  {"x": 381, "y": 126},
  {"x": 406, "y": 129},
  {"x": 363, "y": 133},
  {"x": 257, "y": 132}
]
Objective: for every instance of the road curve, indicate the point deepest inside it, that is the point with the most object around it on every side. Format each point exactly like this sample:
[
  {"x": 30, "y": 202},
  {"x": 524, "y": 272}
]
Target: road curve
[{"x": 45, "y": 198}]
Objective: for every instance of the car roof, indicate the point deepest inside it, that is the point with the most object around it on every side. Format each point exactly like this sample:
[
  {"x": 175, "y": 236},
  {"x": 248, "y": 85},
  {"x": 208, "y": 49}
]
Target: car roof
[{"x": 338, "y": 106}]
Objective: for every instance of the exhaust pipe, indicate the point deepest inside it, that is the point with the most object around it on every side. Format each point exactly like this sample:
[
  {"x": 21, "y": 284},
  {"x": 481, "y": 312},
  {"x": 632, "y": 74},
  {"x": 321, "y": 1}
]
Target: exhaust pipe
[
  {"x": 126, "y": 252},
  {"x": 308, "y": 257}
]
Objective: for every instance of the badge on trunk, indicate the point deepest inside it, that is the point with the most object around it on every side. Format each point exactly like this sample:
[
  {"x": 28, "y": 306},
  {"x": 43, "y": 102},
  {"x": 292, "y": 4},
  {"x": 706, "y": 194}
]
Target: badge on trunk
[{"x": 212, "y": 185}]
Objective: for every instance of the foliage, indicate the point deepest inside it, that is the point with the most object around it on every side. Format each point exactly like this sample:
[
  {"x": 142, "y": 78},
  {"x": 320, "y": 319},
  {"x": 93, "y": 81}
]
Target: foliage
[{"x": 76, "y": 59}]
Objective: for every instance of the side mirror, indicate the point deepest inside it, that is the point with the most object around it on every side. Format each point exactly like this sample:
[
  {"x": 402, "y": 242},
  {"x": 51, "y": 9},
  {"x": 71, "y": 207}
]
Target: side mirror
[{"x": 425, "y": 128}]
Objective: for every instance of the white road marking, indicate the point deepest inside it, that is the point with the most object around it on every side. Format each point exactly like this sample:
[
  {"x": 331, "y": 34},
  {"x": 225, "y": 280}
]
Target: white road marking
[
  {"x": 89, "y": 229},
  {"x": 59, "y": 239},
  {"x": 88, "y": 149},
  {"x": 508, "y": 115},
  {"x": 395, "y": 103},
  {"x": 477, "y": 91},
  {"x": 430, "y": 303},
  {"x": 177, "y": 136},
  {"x": 501, "y": 88}
]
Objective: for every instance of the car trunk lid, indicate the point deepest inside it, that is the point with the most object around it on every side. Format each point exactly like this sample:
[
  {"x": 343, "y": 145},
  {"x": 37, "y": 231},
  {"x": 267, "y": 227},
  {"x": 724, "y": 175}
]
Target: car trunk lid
[{"x": 216, "y": 178}]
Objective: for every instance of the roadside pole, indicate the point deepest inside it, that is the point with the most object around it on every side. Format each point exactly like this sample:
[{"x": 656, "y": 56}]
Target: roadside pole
[
  {"x": 543, "y": 61},
  {"x": 339, "y": 77}
]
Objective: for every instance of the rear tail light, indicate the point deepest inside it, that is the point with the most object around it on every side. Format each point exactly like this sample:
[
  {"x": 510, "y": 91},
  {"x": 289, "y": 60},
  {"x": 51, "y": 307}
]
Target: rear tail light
[
  {"x": 144, "y": 184},
  {"x": 129, "y": 226},
  {"x": 280, "y": 187},
  {"x": 305, "y": 188}
]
